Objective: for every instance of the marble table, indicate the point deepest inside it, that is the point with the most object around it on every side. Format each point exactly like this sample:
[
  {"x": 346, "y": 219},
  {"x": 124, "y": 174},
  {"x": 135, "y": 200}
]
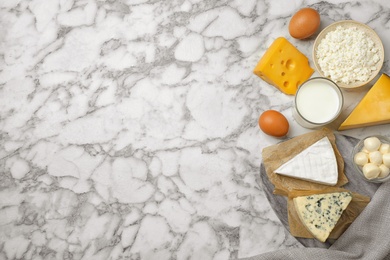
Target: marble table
[{"x": 128, "y": 129}]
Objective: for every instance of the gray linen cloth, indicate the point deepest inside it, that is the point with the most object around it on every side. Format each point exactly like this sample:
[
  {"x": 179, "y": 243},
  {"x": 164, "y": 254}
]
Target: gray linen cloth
[{"x": 368, "y": 237}]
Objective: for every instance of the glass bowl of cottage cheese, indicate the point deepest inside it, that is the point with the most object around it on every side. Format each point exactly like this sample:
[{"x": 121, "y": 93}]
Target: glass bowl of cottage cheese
[
  {"x": 348, "y": 52},
  {"x": 371, "y": 158}
]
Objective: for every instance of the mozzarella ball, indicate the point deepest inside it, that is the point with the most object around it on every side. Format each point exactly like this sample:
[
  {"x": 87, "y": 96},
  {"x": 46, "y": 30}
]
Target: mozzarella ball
[
  {"x": 385, "y": 171},
  {"x": 375, "y": 157},
  {"x": 372, "y": 143},
  {"x": 384, "y": 148},
  {"x": 361, "y": 158},
  {"x": 386, "y": 159},
  {"x": 371, "y": 170}
]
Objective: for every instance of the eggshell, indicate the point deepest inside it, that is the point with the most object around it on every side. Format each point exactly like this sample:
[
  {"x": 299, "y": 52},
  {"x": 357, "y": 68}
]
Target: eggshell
[
  {"x": 273, "y": 123},
  {"x": 304, "y": 23}
]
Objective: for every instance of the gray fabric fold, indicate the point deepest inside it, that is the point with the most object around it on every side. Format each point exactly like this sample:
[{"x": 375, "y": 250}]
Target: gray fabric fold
[{"x": 368, "y": 237}]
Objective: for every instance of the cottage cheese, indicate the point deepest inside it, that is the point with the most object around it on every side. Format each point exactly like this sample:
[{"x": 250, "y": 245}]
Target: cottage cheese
[{"x": 347, "y": 55}]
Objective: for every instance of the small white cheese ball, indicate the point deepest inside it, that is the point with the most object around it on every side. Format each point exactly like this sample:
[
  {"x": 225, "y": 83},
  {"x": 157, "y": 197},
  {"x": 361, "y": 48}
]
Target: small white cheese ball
[
  {"x": 385, "y": 171},
  {"x": 372, "y": 143},
  {"x": 384, "y": 148},
  {"x": 386, "y": 159},
  {"x": 375, "y": 157},
  {"x": 371, "y": 170},
  {"x": 361, "y": 158}
]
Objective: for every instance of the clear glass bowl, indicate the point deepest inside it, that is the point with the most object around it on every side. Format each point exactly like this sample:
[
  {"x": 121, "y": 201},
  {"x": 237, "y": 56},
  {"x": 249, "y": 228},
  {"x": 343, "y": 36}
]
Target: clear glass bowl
[{"x": 359, "y": 146}]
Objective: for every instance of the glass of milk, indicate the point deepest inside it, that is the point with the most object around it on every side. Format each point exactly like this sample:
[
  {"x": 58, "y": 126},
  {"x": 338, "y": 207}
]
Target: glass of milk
[{"x": 318, "y": 102}]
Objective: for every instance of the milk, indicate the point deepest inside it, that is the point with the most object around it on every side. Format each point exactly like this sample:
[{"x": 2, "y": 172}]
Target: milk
[{"x": 318, "y": 102}]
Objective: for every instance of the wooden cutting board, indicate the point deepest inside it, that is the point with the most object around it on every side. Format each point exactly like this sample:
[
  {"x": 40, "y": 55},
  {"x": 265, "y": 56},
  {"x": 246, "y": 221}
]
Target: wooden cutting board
[{"x": 345, "y": 144}]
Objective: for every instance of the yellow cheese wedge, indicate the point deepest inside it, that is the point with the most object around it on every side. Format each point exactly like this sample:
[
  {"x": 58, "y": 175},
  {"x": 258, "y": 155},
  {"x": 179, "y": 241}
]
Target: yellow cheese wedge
[
  {"x": 284, "y": 66},
  {"x": 373, "y": 109}
]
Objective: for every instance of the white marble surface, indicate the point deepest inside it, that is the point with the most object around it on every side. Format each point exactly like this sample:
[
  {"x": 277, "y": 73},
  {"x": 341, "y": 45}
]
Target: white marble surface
[{"x": 128, "y": 129}]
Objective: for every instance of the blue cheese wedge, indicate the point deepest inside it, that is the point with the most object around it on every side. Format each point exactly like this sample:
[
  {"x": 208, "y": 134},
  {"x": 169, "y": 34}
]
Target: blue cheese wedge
[
  {"x": 320, "y": 213},
  {"x": 317, "y": 163}
]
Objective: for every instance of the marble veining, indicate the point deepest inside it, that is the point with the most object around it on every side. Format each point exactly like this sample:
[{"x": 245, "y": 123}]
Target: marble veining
[{"x": 128, "y": 129}]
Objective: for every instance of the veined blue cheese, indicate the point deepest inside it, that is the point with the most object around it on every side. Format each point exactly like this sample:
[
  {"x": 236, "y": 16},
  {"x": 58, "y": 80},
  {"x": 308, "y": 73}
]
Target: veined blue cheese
[
  {"x": 317, "y": 163},
  {"x": 319, "y": 213}
]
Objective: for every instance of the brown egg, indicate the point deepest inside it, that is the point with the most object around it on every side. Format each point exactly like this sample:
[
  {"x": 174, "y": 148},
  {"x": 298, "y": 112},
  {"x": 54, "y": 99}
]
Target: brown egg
[
  {"x": 304, "y": 23},
  {"x": 273, "y": 123}
]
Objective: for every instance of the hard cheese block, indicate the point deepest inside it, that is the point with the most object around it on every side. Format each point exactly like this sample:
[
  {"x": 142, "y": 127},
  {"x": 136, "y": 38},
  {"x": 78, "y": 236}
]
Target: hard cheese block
[
  {"x": 317, "y": 163},
  {"x": 320, "y": 212},
  {"x": 284, "y": 66},
  {"x": 373, "y": 109}
]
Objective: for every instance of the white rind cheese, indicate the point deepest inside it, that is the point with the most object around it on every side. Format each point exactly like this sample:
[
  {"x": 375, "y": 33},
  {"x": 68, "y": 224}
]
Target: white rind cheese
[
  {"x": 320, "y": 213},
  {"x": 317, "y": 163}
]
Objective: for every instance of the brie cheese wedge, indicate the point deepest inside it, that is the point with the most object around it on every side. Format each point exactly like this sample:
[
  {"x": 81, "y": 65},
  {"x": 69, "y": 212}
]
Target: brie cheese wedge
[
  {"x": 317, "y": 163},
  {"x": 319, "y": 213}
]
